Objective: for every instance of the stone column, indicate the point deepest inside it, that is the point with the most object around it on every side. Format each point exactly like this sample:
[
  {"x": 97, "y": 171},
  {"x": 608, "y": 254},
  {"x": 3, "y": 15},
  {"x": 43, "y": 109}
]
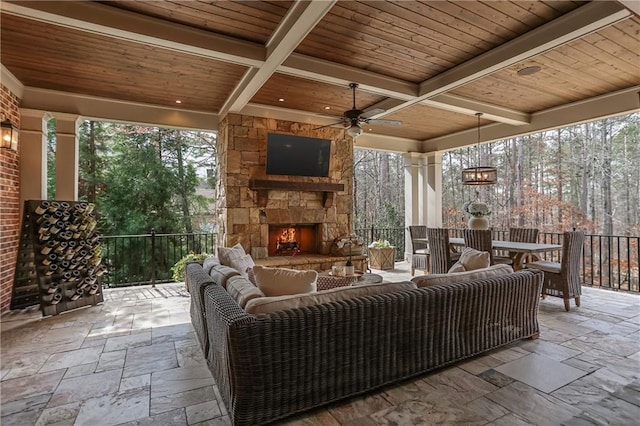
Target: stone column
[
  {"x": 67, "y": 158},
  {"x": 33, "y": 155}
]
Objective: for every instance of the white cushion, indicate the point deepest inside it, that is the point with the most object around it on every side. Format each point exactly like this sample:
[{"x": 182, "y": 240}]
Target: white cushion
[
  {"x": 226, "y": 254},
  {"x": 242, "y": 263},
  {"x": 282, "y": 281},
  {"x": 440, "y": 279},
  {"x": 473, "y": 259},
  {"x": 455, "y": 268},
  {"x": 273, "y": 304},
  {"x": 242, "y": 290}
]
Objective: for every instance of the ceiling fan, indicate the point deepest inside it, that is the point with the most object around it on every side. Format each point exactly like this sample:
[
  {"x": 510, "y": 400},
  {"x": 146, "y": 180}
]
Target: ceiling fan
[{"x": 354, "y": 118}]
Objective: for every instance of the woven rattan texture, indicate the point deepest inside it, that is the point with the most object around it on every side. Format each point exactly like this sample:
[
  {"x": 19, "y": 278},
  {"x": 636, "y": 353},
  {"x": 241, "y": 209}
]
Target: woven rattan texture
[{"x": 271, "y": 366}]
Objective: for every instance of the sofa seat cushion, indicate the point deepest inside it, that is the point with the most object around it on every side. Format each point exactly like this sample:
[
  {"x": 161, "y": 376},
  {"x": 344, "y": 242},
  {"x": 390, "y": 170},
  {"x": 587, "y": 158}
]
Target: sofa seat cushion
[
  {"x": 222, "y": 273},
  {"x": 544, "y": 265},
  {"x": 274, "y": 304},
  {"x": 282, "y": 281},
  {"x": 440, "y": 279},
  {"x": 227, "y": 254},
  {"x": 242, "y": 290}
]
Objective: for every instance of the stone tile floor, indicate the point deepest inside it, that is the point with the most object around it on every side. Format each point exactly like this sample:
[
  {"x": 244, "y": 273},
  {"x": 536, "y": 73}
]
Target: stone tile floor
[{"x": 134, "y": 360}]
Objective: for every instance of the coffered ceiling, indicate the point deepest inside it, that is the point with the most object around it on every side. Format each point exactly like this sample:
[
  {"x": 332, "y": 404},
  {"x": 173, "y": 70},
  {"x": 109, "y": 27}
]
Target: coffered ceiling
[{"x": 430, "y": 64}]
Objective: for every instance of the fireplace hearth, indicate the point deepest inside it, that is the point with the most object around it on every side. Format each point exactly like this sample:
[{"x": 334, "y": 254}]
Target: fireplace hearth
[{"x": 293, "y": 239}]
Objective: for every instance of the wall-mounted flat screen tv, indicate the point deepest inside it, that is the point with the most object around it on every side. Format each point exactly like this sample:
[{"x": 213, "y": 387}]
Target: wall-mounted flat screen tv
[{"x": 297, "y": 155}]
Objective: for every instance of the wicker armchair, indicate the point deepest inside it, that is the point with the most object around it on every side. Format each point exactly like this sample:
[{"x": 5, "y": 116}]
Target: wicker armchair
[
  {"x": 441, "y": 258},
  {"x": 479, "y": 239},
  {"x": 521, "y": 235},
  {"x": 563, "y": 279},
  {"x": 419, "y": 249}
]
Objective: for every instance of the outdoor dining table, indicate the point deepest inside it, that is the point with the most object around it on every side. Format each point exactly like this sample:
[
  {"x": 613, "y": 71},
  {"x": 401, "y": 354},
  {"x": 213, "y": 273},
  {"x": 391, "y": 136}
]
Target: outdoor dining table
[{"x": 522, "y": 250}]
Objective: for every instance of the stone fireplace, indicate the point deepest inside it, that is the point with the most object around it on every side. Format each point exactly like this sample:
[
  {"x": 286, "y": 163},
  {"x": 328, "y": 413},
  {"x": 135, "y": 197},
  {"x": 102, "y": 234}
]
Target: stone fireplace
[{"x": 252, "y": 205}]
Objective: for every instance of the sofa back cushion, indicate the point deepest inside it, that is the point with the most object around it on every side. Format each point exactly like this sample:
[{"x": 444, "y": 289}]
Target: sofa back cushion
[
  {"x": 227, "y": 254},
  {"x": 274, "y": 304},
  {"x": 440, "y": 279},
  {"x": 282, "y": 281},
  {"x": 242, "y": 290},
  {"x": 242, "y": 263},
  {"x": 221, "y": 274},
  {"x": 209, "y": 263}
]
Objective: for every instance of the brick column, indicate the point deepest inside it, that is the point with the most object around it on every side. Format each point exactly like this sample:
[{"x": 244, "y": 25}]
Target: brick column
[{"x": 9, "y": 201}]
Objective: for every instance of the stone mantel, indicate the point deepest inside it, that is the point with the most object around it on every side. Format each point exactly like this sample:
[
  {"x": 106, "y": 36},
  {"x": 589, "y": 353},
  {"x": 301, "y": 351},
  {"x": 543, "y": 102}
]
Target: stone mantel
[{"x": 262, "y": 186}]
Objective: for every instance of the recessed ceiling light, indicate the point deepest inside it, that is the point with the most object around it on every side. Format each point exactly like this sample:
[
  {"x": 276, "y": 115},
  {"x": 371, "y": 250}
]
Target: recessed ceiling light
[
  {"x": 178, "y": 101},
  {"x": 327, "y": 107},
  {"x": 281, "y": 100},
  {"x": 529, "y": 70}
]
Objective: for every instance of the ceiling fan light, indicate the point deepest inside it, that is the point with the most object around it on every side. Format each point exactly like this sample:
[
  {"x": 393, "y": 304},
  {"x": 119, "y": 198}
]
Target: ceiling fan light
[{"x": 354, "y": 131}]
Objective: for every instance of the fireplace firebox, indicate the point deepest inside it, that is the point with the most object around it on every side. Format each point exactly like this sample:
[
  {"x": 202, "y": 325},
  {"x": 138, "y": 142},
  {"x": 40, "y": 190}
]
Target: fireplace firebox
[{"x": 293, "y": 239}]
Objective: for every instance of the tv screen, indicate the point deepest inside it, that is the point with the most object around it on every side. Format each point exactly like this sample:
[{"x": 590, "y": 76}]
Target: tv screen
[{"x": 297, "y": 155}]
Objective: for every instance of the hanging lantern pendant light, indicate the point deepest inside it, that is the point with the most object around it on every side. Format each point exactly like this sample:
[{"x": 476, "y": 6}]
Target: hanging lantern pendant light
[{"x": 479, "y": 175}]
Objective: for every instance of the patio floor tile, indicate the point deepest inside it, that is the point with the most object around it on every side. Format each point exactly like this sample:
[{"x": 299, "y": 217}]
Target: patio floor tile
[{"x": 133, "y": 360}]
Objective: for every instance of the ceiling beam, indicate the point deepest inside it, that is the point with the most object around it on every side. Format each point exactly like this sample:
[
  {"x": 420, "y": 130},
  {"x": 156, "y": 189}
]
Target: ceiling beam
[
  {"x": 575, "y": 24},
  {"x": 125, "y": 25},
  {"x": 300, "y": 19},
  {"x": 597, "y": 108},
  {"x": 489, "y": 111},
  {"x": 94, "y": 107}
]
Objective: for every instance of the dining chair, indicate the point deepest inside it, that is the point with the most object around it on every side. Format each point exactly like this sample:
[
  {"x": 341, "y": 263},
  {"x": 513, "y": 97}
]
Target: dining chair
[
  {"x": 440, "y": 256},
  {"x": 419, "y": 249},
  {"x": 479, "y": 239},
  {"x": 520, "y": 235},
  {"x": 563, "y": 279}
]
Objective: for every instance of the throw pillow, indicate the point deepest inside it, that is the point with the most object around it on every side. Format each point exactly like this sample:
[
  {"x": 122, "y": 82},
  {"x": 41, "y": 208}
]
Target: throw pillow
[
  {"x": 242, "y": 263},
  {"x": 226, "y": 254},
  {"x": 473, "y": 259},
  {"x": 455, "y": 268},
  {"x": 282, "y": 281}
]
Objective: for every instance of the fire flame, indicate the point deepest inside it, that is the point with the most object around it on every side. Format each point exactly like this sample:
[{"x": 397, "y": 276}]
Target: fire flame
[{"x": 288, "y": 235}]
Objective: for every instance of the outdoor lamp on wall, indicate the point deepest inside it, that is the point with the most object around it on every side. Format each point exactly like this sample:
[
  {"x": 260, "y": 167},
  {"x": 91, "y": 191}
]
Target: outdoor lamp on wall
[
  {"x": 479, "y": 175},
  {"x": 9, "y": 135}
]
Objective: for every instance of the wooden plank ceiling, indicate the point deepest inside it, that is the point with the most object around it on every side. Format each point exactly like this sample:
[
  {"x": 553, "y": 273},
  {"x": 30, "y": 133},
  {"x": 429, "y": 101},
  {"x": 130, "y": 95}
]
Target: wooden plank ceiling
[{"x": 430, "y": 64}]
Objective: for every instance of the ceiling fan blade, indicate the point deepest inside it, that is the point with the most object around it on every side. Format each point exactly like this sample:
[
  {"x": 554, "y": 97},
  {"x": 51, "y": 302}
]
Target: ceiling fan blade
[
  {"x": 383, "y": 122},
  {"x": 329, "y": 125},
  {"x": 372, "y": 112}
]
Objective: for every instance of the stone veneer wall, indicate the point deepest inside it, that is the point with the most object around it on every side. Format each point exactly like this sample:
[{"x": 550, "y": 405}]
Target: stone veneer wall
[
  {"x": 9, "y": 202},
  {"x": 242, "y": 145}
]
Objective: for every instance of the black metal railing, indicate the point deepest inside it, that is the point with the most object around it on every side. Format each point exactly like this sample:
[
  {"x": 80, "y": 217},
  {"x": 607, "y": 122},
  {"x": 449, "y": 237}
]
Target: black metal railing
[
  {"x": 609, "y": 261},
  {"x": 395, "y": 236},
  {"x": 148, "y": 258}
]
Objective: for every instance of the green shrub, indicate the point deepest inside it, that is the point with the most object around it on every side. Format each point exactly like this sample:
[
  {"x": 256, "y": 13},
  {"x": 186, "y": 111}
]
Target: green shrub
[{"x": 177, "y": 270}]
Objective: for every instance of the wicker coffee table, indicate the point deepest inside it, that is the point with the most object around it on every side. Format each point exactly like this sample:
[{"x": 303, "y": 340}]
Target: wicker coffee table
[{"x": 327, "y": 281}]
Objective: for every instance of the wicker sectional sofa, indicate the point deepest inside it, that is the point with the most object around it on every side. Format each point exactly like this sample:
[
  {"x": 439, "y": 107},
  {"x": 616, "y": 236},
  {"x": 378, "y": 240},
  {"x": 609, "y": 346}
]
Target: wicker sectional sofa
[{"x": 270, "y": 366}]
